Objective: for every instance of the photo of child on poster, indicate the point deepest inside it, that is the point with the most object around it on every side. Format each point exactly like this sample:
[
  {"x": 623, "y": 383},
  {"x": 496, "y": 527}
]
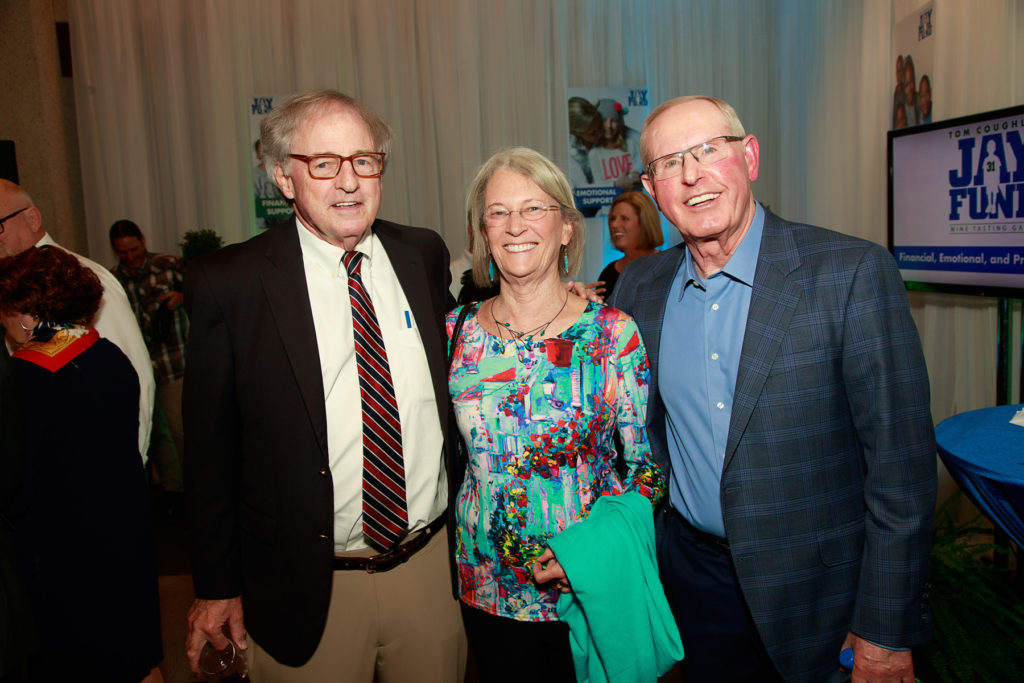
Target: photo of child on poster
[
  {"x": 271, "y": 207},
  {"x": 604, "y": 143}
]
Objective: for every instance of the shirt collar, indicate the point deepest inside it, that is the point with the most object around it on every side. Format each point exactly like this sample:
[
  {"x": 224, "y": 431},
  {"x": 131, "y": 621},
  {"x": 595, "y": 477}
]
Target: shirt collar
[
  {"x": 328, "y": 255},
  {"x": 742, "y": 265}
]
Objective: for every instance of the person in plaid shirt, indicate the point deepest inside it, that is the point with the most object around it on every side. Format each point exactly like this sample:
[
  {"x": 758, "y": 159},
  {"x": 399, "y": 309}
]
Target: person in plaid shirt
[{"x": 153, "y": 283}]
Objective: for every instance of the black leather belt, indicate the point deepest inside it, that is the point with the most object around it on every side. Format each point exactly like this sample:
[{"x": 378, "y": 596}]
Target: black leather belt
[
  {"x": 710, "y": 540},
  {"x": 395, "y": 556}
]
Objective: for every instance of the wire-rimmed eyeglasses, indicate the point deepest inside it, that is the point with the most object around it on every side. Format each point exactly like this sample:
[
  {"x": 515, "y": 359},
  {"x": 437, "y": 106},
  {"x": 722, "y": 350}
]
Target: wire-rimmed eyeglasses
[
  {"x": 499, "y": 216},
  {"x": 707, "y": 152}
]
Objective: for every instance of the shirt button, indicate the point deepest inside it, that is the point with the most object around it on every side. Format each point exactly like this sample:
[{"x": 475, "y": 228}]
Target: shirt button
[
  {"x": 720, "y": 405},
  {"x": 714, "y": 307},
  {"x": 324, "y": 472},
  {"x": 714, "y": 356},
  {"x": 322, "y": 537}
]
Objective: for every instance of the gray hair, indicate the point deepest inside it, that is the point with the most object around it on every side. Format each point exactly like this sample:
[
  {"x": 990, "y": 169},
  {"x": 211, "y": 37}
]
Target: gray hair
[
  {"x": 549, "y": 178},
  {"x": 278, "y": 127}
]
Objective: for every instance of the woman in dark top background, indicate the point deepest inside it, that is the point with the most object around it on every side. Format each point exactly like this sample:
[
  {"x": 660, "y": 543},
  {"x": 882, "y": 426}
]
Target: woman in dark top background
[
  {"x": 81, "y": 517},
  {"x": 635, "y": 231},
  {"x": 17, "y": 636}
]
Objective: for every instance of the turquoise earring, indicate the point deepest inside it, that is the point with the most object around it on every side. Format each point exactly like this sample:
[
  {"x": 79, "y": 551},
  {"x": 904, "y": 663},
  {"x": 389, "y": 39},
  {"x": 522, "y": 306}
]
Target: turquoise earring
[
  {"x": 565, "y": 261},
  {"x": 490, "y": 269}
]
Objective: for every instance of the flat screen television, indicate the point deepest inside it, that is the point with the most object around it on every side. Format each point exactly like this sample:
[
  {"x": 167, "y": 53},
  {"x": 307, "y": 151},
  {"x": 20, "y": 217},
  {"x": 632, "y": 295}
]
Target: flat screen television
[{"x": 956, "y": 204}]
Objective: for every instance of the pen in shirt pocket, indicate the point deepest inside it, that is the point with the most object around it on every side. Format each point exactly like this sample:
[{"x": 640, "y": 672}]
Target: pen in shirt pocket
[{"x": 408, "y": 321}]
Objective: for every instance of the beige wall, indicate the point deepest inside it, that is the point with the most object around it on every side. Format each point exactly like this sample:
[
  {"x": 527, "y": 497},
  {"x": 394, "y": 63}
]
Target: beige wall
[{"x": 38, "y": 113}]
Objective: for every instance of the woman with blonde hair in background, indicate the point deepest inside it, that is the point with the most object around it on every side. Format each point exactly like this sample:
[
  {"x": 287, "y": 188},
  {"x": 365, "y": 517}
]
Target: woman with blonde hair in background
[{"x": 635, "y": 231}]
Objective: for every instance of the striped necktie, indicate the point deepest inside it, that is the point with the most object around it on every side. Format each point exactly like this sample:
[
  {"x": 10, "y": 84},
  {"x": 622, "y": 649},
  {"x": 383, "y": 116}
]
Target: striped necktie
[{"x": 385, "y": 516}]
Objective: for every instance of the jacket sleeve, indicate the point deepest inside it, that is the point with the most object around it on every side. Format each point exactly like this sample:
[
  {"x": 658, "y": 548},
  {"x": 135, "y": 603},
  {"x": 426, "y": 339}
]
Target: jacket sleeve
[
  {"x": 212, "y": 439},
  {"x": 887, "y": 388}
]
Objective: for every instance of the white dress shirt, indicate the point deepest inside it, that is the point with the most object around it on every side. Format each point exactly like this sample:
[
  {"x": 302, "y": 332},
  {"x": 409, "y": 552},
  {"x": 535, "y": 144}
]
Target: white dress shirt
[
  {"x": 422, "y": 441},
  {"x": 116, "y": 321}
]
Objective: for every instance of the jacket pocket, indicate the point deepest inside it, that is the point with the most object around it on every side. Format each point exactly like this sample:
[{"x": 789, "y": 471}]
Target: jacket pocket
[{"x": 842, "y": 544}]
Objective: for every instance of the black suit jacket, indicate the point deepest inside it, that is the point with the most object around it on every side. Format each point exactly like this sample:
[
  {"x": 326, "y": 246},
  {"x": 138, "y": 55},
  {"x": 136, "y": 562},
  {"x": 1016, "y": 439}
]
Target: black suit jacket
[{"x": 258, "y": 484}]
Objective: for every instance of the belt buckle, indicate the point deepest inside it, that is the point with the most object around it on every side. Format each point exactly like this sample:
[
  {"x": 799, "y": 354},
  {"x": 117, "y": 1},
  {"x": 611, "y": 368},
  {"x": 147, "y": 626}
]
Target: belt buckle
[
  {"x": 384, "y": 561},
  {"x": 399, "y": 554},
  {"x": 378, "y": 563}
]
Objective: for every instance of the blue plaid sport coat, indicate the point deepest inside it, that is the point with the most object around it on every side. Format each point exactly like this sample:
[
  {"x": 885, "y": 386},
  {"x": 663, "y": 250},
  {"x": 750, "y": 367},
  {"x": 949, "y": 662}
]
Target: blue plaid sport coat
[{"x": 829, "y": 480}]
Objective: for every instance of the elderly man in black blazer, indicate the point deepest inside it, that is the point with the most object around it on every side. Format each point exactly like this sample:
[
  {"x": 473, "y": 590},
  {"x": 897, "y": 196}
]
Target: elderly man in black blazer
[
  {"x": 282, "y": 425},
  {"x": 790, "y": 405}
]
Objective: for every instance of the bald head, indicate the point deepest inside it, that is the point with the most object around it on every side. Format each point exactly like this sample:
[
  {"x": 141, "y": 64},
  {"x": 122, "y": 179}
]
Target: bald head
[
  {"x": 22, "y": 224},
  {"x": 12, "y": 193},
  {"x": 733, "y": 125}
]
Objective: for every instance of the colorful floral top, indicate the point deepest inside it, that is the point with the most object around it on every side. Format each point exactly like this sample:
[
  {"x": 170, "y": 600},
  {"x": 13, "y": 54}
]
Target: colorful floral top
[{"x": 538, "y": 418}]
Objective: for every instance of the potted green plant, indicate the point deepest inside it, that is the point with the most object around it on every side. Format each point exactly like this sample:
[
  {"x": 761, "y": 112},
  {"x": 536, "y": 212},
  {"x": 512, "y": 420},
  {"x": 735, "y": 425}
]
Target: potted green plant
[
  {"x": 978, "y": 616},
  {"x": 195, "y": 243}
]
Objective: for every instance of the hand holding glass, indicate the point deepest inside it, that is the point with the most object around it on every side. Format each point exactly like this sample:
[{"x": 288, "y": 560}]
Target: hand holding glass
[{"x": 228, "y": 664}]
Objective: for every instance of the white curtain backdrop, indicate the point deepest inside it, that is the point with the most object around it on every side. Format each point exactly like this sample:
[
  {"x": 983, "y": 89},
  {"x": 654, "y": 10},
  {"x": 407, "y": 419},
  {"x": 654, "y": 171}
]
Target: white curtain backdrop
[{"x": 162, "y": 87}]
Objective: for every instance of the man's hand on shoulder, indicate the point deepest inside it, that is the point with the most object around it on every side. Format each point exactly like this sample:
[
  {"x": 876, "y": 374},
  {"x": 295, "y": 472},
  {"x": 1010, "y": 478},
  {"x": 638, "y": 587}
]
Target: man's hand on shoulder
[
  {"x": 586, "y": 291},
  {"x": 206, "y": 621},
  {"x": 876, "y": 664}
]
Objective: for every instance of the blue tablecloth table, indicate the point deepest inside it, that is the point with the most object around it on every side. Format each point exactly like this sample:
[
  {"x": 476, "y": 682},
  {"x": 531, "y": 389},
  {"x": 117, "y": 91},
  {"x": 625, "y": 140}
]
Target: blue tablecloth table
[{"x": 985, "y": 454}]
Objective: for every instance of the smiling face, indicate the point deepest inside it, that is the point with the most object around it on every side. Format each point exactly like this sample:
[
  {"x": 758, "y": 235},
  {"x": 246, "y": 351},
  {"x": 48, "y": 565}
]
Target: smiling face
[
  {"x": 924, "y": 97},
  {"x": 706, "y": 201},
  {"x": 341, "y": 209},
  {"x": 591, "y": 135},
  {"x": 524, "y": 250},
  {"x": 624, "y": 228},
  {"x": 612, "y": 127}
]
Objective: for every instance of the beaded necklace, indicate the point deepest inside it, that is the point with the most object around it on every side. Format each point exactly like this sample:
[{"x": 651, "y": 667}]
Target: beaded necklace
[
  {"x": 528, "y": 335},
  {"x": 520, "y": 338}
]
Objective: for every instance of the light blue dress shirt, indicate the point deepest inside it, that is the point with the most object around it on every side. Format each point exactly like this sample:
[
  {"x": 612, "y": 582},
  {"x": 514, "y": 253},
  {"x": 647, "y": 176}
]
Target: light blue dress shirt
[{"x": 701, "y": 341}]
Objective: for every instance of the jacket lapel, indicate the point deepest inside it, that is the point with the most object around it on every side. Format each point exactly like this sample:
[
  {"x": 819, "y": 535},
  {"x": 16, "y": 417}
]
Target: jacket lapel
[
  {"x": 773, "y": 301},
  {"x": 284, "y": 283},
  {"x": 407, "y": 263},
  {"x": 645, "y": 299},
  {"x": 649, "y": 306}
]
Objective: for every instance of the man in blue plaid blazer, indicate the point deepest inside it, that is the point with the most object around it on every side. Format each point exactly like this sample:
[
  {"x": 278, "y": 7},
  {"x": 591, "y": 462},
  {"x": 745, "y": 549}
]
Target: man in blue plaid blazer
[{"x": 790, "y": 404}]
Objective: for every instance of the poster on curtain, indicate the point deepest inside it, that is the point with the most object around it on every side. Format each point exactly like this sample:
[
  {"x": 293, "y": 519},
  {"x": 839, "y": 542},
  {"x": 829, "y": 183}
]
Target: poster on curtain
[
  {"x": 914, "y": 45},
  {"x": 604, "y": 144},
  {"x": 270, "y": 206}
]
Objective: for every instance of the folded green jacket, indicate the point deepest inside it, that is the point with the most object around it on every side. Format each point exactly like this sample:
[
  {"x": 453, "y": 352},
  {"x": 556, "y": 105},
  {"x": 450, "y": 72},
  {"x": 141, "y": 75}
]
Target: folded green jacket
[{"x": 620, "y": 625}]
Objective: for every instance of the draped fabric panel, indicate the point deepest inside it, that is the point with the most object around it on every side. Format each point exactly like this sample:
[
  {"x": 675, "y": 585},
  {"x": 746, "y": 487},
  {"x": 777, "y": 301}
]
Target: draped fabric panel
[{"x": 162, "y": 88}]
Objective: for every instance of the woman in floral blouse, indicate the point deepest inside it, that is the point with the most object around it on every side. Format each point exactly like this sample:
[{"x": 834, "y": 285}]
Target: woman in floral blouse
[{"x": 541, "y": 381}]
